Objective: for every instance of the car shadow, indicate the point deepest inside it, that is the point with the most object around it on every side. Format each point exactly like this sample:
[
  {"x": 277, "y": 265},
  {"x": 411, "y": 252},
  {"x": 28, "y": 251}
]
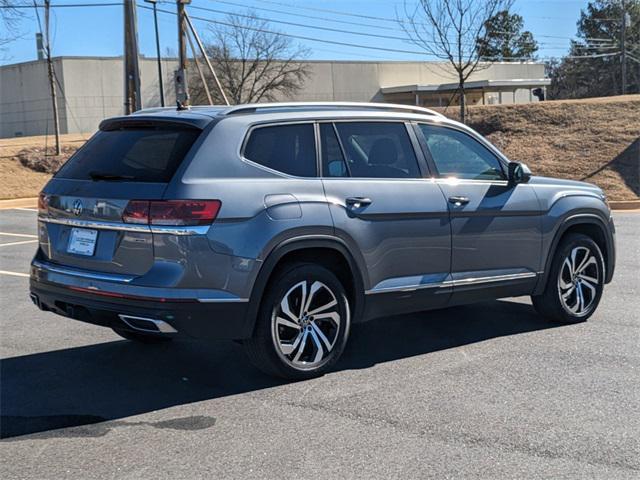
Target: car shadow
[
  {"x": 625, "y": 164},
  {"x": 89, "y": 385}
]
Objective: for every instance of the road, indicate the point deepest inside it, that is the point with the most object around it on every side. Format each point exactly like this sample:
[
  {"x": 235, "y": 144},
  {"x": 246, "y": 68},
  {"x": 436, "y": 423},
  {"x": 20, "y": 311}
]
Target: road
[{"x": 483, "y": 391}]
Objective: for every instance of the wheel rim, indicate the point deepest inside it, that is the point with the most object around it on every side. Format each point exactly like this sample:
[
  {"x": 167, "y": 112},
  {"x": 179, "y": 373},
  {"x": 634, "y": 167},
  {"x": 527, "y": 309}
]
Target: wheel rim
[
  {"x": 578, "y": 281},
  {"x": 305, "y": 324}
]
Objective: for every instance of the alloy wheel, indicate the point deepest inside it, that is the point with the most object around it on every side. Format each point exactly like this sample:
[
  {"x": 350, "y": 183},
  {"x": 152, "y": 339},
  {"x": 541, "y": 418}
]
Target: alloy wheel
[
  {"x": 306, "y": 324},
  {"x": 578, "y": 281}
]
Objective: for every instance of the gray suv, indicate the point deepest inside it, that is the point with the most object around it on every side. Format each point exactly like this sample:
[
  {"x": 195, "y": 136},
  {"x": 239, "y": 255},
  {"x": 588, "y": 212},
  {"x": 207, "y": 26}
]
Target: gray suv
[{"x": 281, "y": 225}]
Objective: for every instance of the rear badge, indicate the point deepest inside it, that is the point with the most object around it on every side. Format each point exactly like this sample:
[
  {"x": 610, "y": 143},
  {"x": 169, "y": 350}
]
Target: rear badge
[{"x": 77, "y": 208}]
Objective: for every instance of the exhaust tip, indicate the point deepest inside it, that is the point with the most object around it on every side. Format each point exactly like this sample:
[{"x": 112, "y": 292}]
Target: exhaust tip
[
  {"x": 35, "y": 300},
  {"x": 149, "y": 325}
]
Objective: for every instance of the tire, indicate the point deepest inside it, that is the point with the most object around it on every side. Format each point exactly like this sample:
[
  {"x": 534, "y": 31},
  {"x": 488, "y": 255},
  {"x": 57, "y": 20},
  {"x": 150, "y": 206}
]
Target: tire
[
  {"x": 298, "y": 343},
  {"x": 141, "y": 337},
  {"x": 575, "y": 282}
]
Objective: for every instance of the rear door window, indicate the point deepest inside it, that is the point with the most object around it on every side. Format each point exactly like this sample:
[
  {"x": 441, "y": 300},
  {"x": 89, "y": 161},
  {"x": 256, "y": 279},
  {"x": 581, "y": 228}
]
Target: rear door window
[
  {"x": 378, "y": 150},
  {"x": 289, "y": 149},
  {"x": 150, "y": 154}
]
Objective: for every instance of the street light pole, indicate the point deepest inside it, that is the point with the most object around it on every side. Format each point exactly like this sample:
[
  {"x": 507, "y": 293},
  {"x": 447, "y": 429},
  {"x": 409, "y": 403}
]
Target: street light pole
[{"x": 155, "y": 23}]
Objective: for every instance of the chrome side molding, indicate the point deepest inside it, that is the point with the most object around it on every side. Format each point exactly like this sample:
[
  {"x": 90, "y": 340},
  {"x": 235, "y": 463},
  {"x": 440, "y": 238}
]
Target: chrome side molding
[{"x": 453, "y": 283}]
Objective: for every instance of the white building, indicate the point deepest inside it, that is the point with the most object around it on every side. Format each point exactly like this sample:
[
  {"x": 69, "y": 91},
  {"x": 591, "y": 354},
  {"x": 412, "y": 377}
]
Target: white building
[{"x": 93, "y": 88}]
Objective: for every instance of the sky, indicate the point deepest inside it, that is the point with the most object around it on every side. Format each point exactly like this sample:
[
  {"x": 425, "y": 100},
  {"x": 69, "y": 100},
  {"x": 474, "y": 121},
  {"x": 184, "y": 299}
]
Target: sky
[{"x": 97, "y": 30}]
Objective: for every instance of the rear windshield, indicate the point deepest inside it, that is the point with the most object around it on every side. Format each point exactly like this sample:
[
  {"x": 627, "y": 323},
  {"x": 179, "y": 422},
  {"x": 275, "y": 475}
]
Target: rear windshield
[{"x": 132, "y": 154}]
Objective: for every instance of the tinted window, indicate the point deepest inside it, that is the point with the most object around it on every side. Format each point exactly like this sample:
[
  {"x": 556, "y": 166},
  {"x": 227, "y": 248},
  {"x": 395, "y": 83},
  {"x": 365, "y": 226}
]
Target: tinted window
[
  {"x": 456, "y": 154},
  {"x": 142, "y": 154},
  {"x": 333, "y": 164},
  {"x": 378, "y": 150},
  {"x": 286, "y": 148}
]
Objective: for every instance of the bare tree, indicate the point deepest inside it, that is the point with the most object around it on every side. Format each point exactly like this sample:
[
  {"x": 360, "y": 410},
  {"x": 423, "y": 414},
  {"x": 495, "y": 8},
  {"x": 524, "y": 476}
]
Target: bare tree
[
  {"x": 452, "y": 30},
  {"x": 253, "y": 62},
  {"x": 11, "y": 13}
]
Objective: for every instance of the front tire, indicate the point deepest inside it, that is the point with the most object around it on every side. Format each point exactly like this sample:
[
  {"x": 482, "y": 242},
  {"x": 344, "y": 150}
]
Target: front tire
[
  {"x": 302, "y": 325},
  {"x": 575, "y": 282}
]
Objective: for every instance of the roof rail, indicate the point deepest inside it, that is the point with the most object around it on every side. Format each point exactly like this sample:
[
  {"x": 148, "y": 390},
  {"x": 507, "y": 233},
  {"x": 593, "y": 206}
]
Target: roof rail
[{"x": 255, "y": 107}]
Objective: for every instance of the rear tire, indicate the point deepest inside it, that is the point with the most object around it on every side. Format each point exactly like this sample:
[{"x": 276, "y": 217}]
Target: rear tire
[
  {"x": 141, "y": 337},
  {"x": 302, "y": 325},
  {"x": 575, "y": 282}
]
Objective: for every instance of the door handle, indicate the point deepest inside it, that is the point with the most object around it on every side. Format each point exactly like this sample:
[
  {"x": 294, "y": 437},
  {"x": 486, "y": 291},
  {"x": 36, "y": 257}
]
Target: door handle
[
  {"x": 459, "y": 201},
  {"x": 357, "y": 202}
]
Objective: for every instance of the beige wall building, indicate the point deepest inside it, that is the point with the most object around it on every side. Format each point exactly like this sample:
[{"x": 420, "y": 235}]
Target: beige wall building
[{"x": 93, "y": 88}]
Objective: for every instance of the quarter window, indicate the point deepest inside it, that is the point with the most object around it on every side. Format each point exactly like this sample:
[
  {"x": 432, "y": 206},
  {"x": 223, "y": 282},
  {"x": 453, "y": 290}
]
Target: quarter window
[
  {"x": 333, "y": 164},
  {"x": 288, "y": 149},
  {"x": 458, "y": 155},
  {"x": 372, "y": 149}
]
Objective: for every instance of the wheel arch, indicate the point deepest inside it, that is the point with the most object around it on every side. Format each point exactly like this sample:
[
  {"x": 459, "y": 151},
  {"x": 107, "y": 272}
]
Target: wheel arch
[
  {"x": 590, "y": 224},
  {"x": 308, "y": 248}
]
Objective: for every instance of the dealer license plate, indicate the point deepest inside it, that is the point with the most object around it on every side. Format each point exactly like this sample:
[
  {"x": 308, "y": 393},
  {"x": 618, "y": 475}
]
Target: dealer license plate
[{"x": 82, "y": 241}]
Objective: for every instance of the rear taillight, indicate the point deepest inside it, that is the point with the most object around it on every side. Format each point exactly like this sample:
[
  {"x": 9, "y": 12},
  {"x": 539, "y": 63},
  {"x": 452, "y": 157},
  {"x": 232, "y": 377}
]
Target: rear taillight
[
  {"x": 172, "y": 212},
  {"x": 43, "y": 203},
  {"x": 137, "y": 211}
]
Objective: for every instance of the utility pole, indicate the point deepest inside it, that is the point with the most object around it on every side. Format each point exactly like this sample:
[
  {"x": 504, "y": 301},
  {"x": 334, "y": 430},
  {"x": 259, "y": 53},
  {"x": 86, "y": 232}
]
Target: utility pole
[
  {"x": 52, "y": 81},
  {"x": 132, "y": 100},
  {"x": 623, "y": 55},
  {"x": 180, "y": 75}
]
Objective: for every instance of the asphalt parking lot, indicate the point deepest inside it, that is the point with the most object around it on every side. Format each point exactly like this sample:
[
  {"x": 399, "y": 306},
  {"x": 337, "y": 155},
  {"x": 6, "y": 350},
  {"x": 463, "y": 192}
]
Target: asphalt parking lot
[{"x": 483, "y": 391}]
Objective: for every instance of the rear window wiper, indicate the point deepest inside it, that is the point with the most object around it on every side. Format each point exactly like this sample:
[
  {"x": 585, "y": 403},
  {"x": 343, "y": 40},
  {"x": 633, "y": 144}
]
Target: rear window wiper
[{"x": 113, "y": 177}]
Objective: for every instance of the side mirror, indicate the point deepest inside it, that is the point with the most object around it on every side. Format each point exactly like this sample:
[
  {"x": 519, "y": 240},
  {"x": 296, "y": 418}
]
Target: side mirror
[{"x": 518, "y": 173}]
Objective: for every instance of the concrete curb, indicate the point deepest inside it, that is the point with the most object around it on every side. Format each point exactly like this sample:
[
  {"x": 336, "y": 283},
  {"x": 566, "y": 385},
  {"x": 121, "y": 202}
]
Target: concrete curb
[
  {"x": 33, "y": 203},
  {"x": 19, "y": 203},
  {"x": 625, "y": 205}
]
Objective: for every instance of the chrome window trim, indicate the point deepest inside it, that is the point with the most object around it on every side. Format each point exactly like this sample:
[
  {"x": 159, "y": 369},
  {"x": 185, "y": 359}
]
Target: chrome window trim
[
  {"x": 472, "y": 181},
  {"x": 129, "y": 227},
  {"x": 454, "y": 283}
]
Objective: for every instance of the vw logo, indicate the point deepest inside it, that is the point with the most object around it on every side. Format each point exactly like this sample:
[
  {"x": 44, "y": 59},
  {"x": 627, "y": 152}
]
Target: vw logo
[{"x": 77, "y": 208}]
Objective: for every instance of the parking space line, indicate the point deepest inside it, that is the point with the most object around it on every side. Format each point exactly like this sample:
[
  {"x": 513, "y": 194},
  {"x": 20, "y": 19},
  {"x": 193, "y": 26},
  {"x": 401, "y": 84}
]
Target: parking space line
[
  {"x": 14, "y": 274},
  {"x": 18, "y": 235},
  {"x": 18, "y": 243},
  {"x": 25, "y": 209}
]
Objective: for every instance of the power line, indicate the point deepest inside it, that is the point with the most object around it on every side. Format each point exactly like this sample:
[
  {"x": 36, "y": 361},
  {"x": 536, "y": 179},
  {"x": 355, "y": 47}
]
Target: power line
[
  {"x": 334, "y": 42},
  {"x": 371, "y": 17},
  {"x": 312, "y": 17},
  {"x": 295, "y": 24},
  {"x": 334, "y": 20},
  {"x": 65, "y": 5},
  {"x": 299, "y": 37},
  {"x": 324, "y": 28}
]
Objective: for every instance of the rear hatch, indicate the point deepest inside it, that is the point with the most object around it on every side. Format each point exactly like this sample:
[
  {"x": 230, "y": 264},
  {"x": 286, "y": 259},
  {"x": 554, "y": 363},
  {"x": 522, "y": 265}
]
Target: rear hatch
[{"x": 82, "y": 208}]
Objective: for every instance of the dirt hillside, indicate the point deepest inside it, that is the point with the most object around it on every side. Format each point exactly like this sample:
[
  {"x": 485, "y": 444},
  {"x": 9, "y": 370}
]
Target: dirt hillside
[
  {"x": 18, "y": 181},
  {"x": 595, "y": 140}
]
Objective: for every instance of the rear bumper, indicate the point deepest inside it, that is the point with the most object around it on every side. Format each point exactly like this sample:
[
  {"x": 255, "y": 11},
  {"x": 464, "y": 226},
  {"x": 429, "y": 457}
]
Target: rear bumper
[{"x": 188, "y": 317}]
